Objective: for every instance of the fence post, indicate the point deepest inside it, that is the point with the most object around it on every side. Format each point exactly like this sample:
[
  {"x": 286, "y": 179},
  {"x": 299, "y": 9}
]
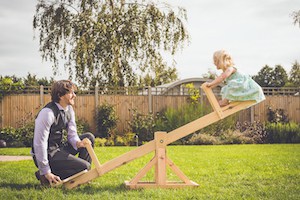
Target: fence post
[
  {"x": 252, "y": 114},
  {"x": 201, "y": 95},
  {"x": 96, "y": 104},
  {"x": 150, "y": 99},
  {"x": 96, "y": 96},
  {"x": 1, "y": 112},
  {"x": 41, "y": 95}
]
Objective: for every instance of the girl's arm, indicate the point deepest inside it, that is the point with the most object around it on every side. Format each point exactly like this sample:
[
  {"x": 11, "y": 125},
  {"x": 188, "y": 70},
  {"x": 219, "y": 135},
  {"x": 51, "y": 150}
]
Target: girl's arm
[{"x": 220, "y": 78}]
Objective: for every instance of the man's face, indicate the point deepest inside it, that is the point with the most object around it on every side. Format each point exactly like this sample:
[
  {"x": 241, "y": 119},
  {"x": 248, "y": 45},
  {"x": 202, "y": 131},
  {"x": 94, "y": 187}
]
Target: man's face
[{"x": 68, "y": 98}]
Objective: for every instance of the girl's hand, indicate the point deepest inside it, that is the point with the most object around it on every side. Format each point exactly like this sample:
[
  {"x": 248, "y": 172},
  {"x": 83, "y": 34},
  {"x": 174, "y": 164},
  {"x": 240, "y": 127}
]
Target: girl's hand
[{"x": 208, "y": 84}]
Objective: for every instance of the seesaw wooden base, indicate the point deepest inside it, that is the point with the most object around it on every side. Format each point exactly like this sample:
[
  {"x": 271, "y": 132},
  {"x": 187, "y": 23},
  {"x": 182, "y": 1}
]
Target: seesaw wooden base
[
  {"x": 70, "y": 179},
  {"x": 169, "y": 184},
  {"x": 160, "y": 161}
]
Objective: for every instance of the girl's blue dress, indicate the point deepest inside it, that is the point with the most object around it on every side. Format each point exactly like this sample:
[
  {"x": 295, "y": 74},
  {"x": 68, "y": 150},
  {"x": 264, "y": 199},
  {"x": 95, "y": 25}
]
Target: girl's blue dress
[{"x": 241, "y": 87}]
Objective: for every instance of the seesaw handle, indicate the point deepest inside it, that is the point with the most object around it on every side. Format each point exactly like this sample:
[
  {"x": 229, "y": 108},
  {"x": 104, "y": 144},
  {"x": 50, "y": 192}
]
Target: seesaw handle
[{"x": 88, "y": 145}]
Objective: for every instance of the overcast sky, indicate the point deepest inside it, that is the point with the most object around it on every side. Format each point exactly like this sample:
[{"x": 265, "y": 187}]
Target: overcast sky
[{"x": 255, "y": 32}]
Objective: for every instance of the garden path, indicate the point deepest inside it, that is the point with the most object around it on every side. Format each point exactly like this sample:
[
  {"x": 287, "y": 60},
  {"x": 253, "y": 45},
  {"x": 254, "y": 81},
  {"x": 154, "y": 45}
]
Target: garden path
[{"x": 14, "y": 158}]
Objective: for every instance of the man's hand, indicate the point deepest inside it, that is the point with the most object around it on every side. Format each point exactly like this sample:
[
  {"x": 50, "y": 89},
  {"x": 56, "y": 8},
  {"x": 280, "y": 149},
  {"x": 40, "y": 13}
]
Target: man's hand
[
  {"x": 53, "y": 179},
  {"x": 80, "y": 144}
]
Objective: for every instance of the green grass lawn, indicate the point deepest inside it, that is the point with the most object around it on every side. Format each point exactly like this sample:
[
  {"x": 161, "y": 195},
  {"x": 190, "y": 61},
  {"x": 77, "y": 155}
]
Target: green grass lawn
[{"x": 222, "y": 172}]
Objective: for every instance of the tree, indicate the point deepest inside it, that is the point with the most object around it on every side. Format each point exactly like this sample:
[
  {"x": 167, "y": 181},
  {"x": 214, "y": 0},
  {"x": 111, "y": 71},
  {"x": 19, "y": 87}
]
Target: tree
[
  {"x": 296, "y": 17},
  {"x": 280, "y": 77},
  {"x": 108, "y": 41},
  {"x": 161, "y": 74},
  {"x": 32, "y": 80},
  {"x": 269, "y": 77},
  {"x": 294, "y": 79},
  {"x": 264, "y": 76},
  {"x": 9, "y": 84}
]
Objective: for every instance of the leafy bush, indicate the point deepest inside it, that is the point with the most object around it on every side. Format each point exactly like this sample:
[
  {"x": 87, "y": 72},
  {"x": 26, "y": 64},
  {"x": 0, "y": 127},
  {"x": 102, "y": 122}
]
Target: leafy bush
[
  {"x": 20, "y": 137},
  {"x": 100, "y": 142},
  {"x": 235, "y": 137},
  {"x": 283, "y": 132},
  {"x": 106, "y": 120},
  {"x": 119, "y": 141},
  {"x": 255, "y": 130},
  {"x": 25, "y": 134},
  {"x": 9, "y": 135},
  {"x": 277, "y": 115},
  {"x": 82, "y": 126},
  {"x": 143, "y": 126},
  {"x": 129, "y": 139},
  {"x": 110, "y": 142},
  {"x": 10, "y": 85},
  {"x": 173, "y": 118},
  {"x": 227, "y": 137},
  {"x": 203, "y": 139},
  {"x": 193, "y": 92},
  {"x": 217, "y": 129}
]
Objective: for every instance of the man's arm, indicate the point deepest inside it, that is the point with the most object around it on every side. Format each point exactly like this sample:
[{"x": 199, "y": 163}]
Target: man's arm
[
  {"x": 43, "y": 123},
  {"x": 73, "y": 137},
  {"x": 40, "y": 143}
]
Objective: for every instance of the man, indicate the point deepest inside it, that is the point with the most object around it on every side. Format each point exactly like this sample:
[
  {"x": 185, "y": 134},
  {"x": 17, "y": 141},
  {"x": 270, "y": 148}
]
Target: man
[{"x": 54, "y": 157}]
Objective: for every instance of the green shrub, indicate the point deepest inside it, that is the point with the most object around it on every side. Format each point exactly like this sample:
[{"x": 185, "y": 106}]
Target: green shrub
[
  {"x": 203, "y": 139},
  {"x": 25, "y": 134},
  {"x": 255, "y": 130},
  {"x": 10, "y": 85},
  {"x": 235, "y": 137},
  {"x": 193, "y": 92},
  {"x": 227, "y": 137},
  {"x": 100, "y": 142},
  {"x": 82, "y": 126},
  {"x": 217, "y": 129},
  {"x": 106, "y": 121},
  {"x": 173, "y": 118},
  {"x": 283, "y": 132},
  {"x": 119, "y": 141},
  {"x": 129, "y": 139},
  {"x": 110, "y": 142},
  {"x": 20, "y": 137},
  {"x": 143, "y": 126},
  {"x": 9, "y": 135},
  {"x": 277, "y": 116}
]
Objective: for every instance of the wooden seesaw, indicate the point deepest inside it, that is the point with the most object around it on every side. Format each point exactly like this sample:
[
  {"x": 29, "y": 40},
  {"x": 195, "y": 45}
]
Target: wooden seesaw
[{"x": 160, "y": 161}]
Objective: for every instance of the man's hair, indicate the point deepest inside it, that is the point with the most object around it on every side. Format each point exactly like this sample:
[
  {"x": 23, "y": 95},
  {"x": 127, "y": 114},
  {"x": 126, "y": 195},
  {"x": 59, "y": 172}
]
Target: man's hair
[{"x": 60, "y": 88}]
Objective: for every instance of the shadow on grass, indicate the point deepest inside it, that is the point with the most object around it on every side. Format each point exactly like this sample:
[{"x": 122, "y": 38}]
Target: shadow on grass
[
  {"x": 89, "y": 189},
  {"x": 18, "y": 186}
]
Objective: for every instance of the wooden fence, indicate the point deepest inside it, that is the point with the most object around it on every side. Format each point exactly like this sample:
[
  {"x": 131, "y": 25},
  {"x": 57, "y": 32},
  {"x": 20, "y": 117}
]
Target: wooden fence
[{"x": 18, "y": 109}]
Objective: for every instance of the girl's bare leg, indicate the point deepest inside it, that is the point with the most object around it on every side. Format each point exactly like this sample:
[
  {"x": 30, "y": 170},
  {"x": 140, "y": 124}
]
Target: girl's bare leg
[{"x": 223, "y": 102}]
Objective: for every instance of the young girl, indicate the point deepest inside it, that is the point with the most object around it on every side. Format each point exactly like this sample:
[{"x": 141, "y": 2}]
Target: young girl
[{"x": 238, "y": 87}]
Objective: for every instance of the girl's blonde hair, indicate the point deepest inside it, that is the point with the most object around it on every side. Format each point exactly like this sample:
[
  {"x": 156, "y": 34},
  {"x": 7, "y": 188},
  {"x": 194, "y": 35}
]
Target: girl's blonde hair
[{"x": 223, "y": 58}]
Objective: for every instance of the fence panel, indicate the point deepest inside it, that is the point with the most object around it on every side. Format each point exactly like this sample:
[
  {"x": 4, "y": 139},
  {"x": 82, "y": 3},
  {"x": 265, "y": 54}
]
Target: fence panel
[
  {"x": 290, "y": 104},
  {"x": 17, "y": 110}
]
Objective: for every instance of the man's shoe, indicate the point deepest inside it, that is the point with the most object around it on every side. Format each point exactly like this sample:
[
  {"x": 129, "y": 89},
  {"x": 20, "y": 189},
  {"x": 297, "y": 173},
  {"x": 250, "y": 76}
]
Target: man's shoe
[{"x": 43, "y": 180}]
